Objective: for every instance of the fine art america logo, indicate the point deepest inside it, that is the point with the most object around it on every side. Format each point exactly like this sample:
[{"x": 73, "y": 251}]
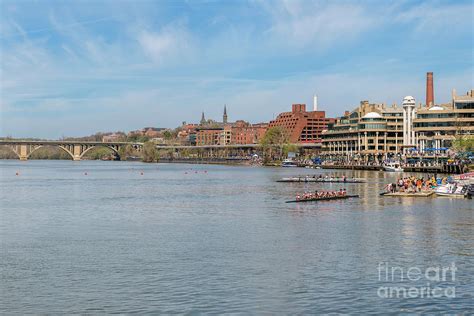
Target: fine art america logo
[{"x": 434, "y": 280}]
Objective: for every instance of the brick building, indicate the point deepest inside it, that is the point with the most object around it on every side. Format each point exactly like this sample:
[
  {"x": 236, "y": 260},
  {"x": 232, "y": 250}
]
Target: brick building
[
  {"x": 208, "y": 136},
  {"x": 244, "y": 133},
  {"x": 187, "y": 134},
  {"x": 302, "y": 126}
]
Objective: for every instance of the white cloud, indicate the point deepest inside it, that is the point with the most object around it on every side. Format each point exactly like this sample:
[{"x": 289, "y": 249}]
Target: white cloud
[{"x": 171, "y": 42}]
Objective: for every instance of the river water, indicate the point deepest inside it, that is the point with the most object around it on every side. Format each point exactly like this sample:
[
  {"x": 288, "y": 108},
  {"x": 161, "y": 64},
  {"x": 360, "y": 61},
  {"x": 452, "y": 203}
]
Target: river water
[{"x": 123, "y": 237}]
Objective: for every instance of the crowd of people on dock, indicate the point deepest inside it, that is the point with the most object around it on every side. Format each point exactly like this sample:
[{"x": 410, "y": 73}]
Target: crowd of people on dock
[
  {"x": 413, "y": 184},
  {"x": 321, "y": 195}
]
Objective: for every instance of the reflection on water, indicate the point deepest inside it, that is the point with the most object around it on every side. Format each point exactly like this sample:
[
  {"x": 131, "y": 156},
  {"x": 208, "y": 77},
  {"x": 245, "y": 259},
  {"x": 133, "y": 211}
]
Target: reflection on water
[{"x": 189, "y": 238}]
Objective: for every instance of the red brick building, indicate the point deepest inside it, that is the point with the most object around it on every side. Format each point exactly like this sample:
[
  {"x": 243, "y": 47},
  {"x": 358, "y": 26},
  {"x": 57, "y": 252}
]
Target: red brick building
[
  {"x": 187, "y": 134},
  {"x": 208, "y": 136},
  {"x": 302, "y": 126},
  {"x": 244, "y": 133}
]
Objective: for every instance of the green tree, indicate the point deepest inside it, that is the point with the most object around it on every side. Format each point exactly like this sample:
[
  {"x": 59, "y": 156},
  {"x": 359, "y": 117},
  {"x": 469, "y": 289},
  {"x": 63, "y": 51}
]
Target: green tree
[
  {"x": 126, "y": 151},
  {"x": 135, "y": 138},
  {"x": 463, "y": 143},
  {"x": 167, "y": 135},
  {"x": 150, "y": 153},
  {"x": 273, "y": 143}
]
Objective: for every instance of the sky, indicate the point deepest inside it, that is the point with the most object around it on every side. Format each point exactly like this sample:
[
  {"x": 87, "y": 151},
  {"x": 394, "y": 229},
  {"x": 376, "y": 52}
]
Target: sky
[{"x": 73, "y": 68}]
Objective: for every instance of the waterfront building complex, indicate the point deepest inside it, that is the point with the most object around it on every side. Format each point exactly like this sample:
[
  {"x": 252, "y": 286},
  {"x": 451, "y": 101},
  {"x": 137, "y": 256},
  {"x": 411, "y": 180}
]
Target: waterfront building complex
[
  {"x": 436, "y": 127},
  {"x": 376, "y": 132},
  {"x": 370, "y": 130}
]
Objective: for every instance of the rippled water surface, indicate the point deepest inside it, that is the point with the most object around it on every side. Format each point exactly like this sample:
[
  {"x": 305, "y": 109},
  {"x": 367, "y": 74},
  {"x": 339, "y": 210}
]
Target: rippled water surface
[{"x": 202, "y": 238}]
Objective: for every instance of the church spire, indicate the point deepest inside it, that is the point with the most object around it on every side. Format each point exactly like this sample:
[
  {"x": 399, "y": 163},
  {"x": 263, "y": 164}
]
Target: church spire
[
  {"x": 203, "y": 119},
  {"x": 224, "y": 117}
]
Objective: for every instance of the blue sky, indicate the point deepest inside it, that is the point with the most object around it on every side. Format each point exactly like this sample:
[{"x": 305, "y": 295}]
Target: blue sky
[{"x": 71, "y": 68}]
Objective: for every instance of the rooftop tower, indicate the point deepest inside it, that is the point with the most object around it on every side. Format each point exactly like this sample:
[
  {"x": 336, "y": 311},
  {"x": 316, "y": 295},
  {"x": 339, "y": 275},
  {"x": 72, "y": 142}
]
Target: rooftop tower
[
  {"x": 408, "y": 117},
  {"x": 429, "y": 89},
  {"x": 224, "y": 117}
]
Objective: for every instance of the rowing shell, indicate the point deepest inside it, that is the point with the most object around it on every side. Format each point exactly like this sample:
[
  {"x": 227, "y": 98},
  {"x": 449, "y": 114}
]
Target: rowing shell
[
  {"x": 324, "y": 199},
  {"x": 297, "y": 180}
]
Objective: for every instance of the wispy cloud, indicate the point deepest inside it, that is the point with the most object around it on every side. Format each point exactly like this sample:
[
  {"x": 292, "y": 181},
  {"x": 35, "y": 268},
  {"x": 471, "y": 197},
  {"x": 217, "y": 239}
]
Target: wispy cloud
[
  {"x": 124, "y": 65},
  {"x": 430, "y": 19},
  {"x": 172, "y": 42},
  {"x": 315, "y": 24}
]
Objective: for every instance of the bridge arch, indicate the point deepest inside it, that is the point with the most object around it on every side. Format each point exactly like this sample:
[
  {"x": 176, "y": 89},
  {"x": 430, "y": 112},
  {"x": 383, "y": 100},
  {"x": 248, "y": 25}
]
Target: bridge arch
[
  {"x": 115, "y": 149},
  {"x": 54, "y": 146},
  {"x": 13, "y": 149}
]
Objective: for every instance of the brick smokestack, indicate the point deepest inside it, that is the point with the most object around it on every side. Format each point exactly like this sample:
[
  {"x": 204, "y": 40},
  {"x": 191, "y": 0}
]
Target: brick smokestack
[{"x": 429, "y": 89}]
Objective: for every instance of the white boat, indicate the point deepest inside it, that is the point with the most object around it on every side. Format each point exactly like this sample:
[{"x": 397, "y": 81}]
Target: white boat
[
  {"x": 393, "y": 167},
  {"x": 451, "y": 190},
  {"x": 289, "y": 163}
]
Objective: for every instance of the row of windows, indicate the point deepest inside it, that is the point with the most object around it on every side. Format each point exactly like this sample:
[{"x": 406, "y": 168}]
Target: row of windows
[
  {"x": 391, "y": 148},
  {"x": 432, "y": 116},
  {"x": 444, "y": 124},
  {"x": 372, "y": 126},
  {"x": 464, "y": 105}
]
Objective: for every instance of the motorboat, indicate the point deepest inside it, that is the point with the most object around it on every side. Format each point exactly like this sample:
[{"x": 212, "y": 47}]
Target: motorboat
[
  {"x": 453, "y": 190},
  {"x": 289, "y": 163},
  {"x": 392, "y": 167}
]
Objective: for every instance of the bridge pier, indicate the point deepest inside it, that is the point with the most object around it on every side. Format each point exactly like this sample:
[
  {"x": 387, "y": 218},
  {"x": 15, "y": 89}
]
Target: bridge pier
[
  {"x": 23, "y": 151},
  {"x": 77, "y": 152}
]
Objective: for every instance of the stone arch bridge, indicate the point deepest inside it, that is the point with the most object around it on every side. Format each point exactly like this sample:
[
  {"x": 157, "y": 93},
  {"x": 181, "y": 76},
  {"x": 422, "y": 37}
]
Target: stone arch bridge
[{"x": 76, "y": 149}]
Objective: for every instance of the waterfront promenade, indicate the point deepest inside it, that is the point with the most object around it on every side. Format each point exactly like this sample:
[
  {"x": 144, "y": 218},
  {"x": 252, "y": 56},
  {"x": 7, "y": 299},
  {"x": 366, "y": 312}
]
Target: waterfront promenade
[{"x": 451, "y": 169}]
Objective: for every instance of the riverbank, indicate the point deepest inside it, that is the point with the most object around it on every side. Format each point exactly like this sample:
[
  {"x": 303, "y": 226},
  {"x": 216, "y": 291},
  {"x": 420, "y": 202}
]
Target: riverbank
[{"x": 208, "y": 161}]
